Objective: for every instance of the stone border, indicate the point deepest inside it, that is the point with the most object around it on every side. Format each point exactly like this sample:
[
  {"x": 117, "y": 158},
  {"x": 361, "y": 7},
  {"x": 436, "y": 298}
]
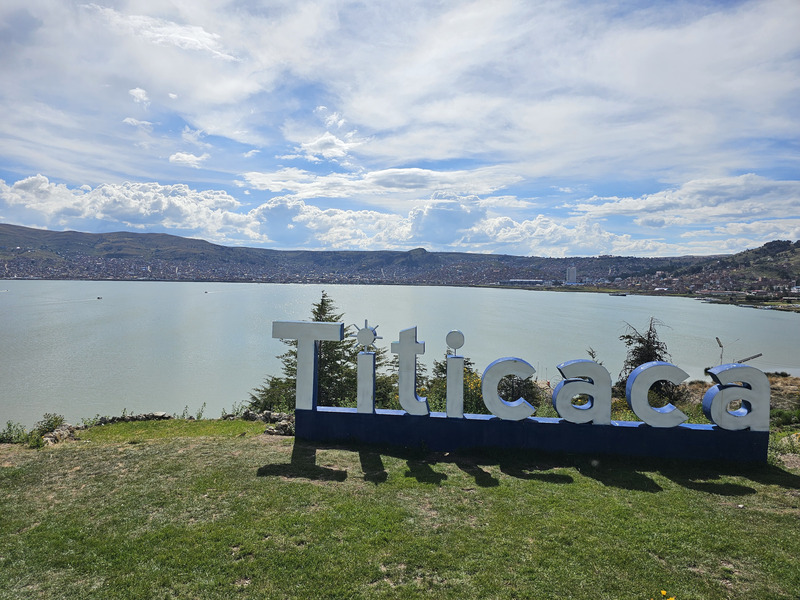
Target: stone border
[
  {"x": 284, "y": 422},
  {"x": 281, "y": 423}
]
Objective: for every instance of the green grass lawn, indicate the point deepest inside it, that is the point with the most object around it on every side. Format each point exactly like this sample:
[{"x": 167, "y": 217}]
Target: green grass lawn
[{"x": 213, "y": 509}]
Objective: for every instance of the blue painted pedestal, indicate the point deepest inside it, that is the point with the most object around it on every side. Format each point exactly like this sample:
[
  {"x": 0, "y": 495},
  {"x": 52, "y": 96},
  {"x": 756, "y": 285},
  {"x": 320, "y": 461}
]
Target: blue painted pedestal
[{"x": 438, "y": 433}]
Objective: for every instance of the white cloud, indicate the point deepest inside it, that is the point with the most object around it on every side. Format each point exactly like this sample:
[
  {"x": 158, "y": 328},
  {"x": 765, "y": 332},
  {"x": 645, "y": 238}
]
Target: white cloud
[
  {"x": 288, "y": 179},
  {"x": 295, "y": 223},
  {"x": 212, "y": 214},
  {"x": 146, "y": 126},
  {"x": 140, "y": 96},
  {"x": 332, "y": 120},
  {"x": 500, "y": 203},
  {"x": 532, "y": 116},
  {"x": 444, "y": 221},
  {"x": 189, "y": 160},
  {"x": 164, "y": 33},
  {"x": 328, "y": 146},
  {"x": 390, "y": 188},
  {"x": 703, "y": 201},
  {"x": 194, "y": 137}
]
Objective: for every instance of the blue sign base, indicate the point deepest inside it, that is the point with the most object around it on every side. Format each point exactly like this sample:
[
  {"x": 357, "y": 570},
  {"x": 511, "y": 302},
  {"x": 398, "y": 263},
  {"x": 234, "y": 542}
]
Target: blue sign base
[{"x": 438, "y": 433}]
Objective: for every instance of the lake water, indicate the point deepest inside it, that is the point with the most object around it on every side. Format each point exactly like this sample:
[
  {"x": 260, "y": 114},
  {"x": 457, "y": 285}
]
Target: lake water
[{"x": 81, "y": 348}]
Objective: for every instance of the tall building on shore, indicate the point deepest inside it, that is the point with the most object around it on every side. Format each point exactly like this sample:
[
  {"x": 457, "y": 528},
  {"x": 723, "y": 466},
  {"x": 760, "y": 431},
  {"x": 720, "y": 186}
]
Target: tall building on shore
[{"x": 572, "y": 275}]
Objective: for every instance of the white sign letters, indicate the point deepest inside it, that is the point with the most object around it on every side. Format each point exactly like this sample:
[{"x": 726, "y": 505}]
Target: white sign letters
[{"x": 738, "y": 384}]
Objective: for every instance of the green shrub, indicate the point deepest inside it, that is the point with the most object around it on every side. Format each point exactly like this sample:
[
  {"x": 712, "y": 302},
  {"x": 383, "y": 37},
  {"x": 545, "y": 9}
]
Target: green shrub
[
  {"x": 276, "y": 394},
  {"x": 781, "y": 418},
  {"x": 790, "y": 444},
  {"x": 90, "y": 421},
  {"x": 14, "y": 433},
  {"x": 50, "y": 422},
  {"x": 34, "y": 439}
]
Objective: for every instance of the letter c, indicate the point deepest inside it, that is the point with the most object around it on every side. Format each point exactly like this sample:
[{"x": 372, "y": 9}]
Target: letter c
[
  {"x": 510, "y": 411},
  {"x": 639, "y": 383}
]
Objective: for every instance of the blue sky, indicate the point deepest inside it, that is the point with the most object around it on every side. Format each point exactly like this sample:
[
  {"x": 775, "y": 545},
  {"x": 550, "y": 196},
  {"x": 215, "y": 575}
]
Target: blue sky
[{"x": 530, "y": 128}]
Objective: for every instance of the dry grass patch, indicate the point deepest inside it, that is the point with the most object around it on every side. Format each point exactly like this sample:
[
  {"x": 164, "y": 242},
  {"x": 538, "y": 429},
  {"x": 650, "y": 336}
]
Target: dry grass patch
[{"x": 785, "y": 392}]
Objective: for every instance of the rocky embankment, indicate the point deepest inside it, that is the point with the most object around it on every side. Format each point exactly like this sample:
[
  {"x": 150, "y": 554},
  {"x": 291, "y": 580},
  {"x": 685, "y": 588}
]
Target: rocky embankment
[{"x": 277, "y": 423}]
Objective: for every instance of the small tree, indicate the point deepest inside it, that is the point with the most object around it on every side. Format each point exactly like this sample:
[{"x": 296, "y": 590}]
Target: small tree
[
  {"x": 437, "y": 387},
  {"x": 643, "y": 348}
]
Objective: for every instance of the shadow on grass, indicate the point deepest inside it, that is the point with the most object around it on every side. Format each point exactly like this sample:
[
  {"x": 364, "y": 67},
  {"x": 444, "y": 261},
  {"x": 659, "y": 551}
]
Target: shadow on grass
[
  {"x": 372, "y": 466},
  {"x": 303, "y": 465},
  {"x": 612, "y": 471},
  {"x": 422, "y": 471}
]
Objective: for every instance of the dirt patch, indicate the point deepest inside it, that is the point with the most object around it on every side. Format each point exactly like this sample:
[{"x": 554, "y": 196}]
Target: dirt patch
[
  {"x": 785, "y": 392},
  {"x": 10, "y": 454},
  {"x": 696, "y": 390},
  {"x": 791, "y": 461}
]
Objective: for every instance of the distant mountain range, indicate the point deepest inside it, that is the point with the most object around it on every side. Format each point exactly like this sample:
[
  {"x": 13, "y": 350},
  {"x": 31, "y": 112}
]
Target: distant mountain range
[{"x": 36, "y": 253}]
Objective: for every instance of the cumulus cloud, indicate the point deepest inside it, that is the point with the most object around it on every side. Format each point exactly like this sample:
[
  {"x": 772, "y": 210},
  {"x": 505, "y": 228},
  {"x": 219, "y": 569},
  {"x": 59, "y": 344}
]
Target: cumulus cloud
[
  {"x": 443, "y": 221},
  {"x": 296, "y": 223},
  {"x": 694, "y": 216},
  {"x": 140, "y": 96},
  {"x": 37, "y": 195},
  {"x": 189, "y": 160},
  {"x": 327, "y": 146},
  {"x": 210, "y": 213}
]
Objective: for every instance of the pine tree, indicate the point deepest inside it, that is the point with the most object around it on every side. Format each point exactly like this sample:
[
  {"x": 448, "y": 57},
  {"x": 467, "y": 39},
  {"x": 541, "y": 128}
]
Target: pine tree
[
  {"x": 336, "y": 383},
  {"x": 336, "y": 360},
  {"x": 643, "y": 348}
]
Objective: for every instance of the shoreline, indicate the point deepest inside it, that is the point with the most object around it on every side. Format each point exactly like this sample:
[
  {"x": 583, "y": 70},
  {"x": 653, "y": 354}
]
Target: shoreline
[{"x": 731, "y": 298}]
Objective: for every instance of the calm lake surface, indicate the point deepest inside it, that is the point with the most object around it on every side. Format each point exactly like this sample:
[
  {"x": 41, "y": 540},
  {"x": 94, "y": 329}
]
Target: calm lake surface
[{"x": 81, "y": 348}]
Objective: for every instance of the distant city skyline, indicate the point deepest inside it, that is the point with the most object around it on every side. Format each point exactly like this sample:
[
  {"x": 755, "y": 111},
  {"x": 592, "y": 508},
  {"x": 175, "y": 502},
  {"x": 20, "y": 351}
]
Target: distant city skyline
[{"x": 528, "y": 128}]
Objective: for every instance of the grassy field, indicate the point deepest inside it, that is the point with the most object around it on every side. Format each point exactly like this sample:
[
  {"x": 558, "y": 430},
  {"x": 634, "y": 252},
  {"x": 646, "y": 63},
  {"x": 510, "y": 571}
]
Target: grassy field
[{"x": 214, "y": 509}]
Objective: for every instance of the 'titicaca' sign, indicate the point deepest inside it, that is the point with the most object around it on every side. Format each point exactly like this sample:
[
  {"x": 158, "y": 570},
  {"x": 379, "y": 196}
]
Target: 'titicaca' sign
[{"x": 736, "y": 434}]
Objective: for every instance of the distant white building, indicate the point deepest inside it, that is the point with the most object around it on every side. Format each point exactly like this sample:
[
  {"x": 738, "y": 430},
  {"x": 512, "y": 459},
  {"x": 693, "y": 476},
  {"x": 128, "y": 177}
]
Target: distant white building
[{"x": 572, "y": 275}]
